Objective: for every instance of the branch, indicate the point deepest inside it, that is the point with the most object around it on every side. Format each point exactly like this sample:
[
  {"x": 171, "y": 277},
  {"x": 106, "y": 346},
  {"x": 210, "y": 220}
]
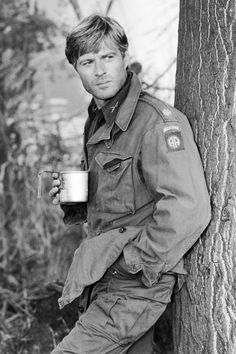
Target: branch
[
  {"x": 76, "y": 7},
  {"x": 111, "y": 2}
]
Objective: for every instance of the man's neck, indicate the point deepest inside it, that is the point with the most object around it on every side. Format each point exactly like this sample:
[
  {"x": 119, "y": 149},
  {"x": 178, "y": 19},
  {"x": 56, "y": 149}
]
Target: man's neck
[{"x": 100, "y": 103}]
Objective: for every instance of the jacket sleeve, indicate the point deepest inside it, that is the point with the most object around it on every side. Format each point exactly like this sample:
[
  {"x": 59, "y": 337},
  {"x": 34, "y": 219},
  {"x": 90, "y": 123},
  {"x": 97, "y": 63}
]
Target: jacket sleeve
[
  {"x": 173, "y": 173},
  {"x": 74, "y": 214}
]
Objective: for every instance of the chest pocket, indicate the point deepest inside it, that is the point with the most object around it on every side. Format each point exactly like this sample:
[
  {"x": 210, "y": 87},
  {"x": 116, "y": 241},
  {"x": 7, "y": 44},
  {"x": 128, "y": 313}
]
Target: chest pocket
[{"x": 115, "y": 193}]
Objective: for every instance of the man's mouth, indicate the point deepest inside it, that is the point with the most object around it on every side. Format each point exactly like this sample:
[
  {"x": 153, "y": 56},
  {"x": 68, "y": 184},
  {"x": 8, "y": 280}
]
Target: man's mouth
[{"x": 103, "y": 83}]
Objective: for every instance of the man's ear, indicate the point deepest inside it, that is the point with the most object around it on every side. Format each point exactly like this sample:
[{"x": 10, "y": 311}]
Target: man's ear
[{"x": 126, "y": 59}]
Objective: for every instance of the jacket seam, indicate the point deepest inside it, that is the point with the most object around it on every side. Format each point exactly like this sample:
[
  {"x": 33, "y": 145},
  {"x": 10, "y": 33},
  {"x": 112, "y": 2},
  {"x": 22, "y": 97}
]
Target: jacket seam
[{"x": 160, "y": 113}]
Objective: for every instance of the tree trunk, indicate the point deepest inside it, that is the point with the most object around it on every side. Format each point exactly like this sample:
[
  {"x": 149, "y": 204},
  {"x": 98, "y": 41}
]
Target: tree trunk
[{"x": 205, "y": 308}]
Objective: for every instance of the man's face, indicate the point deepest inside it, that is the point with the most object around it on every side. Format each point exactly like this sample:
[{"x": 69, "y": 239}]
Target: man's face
[{"x": 103, "y": 73}]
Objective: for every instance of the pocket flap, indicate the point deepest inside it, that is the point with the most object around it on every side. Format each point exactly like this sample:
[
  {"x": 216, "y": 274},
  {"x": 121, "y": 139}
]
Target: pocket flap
[{"x": 111, "y": 161}]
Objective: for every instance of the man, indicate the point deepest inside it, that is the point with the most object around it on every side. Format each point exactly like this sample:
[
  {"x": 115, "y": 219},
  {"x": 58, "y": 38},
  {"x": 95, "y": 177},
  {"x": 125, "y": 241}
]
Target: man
[{"x": 148, "y": 201}]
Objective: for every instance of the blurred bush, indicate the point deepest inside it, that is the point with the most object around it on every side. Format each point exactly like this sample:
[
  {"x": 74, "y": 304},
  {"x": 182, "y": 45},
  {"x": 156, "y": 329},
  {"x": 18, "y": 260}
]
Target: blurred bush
[{"x": 31, "y": 229}]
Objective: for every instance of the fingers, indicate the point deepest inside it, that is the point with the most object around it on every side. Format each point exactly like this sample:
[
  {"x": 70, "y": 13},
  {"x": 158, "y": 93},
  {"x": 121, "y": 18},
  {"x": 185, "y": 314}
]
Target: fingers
[
  {"x": 54, "y": 192},
  {"x": 56, "y": 183},
  {"x": 56, "y": 200},
  {"x": 55, "y": 175}
]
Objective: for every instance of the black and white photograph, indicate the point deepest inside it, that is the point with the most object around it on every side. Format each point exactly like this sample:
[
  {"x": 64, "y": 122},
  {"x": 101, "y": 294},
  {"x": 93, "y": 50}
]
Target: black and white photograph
[{"x": 117, "y": 177}]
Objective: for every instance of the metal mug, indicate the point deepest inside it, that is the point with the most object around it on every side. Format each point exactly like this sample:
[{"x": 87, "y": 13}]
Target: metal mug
[{"x": 73, "y": 187}]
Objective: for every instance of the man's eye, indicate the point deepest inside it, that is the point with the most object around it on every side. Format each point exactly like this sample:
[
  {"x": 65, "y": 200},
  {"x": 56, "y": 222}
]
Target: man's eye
[
  {"x": 85, "y": 63},
  {"x": 108, "y": 57}
]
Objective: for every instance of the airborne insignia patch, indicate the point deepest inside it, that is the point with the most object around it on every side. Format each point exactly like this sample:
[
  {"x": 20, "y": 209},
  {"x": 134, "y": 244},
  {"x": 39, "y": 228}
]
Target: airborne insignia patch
[{"x": 173, "y": 138}]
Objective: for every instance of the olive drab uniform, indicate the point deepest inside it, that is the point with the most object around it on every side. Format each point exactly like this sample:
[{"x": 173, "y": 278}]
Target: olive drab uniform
[{"x": 148, "y": 200}]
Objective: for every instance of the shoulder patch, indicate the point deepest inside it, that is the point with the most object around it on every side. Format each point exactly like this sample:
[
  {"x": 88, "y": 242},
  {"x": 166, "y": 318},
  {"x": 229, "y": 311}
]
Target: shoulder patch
[
  {"x": 171, "y": 127},
  {"x": 174, "y": 140}
]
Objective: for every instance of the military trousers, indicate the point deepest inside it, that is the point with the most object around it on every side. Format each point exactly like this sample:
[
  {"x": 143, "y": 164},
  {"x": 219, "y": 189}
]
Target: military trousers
[{"x": 121, "y": 311}]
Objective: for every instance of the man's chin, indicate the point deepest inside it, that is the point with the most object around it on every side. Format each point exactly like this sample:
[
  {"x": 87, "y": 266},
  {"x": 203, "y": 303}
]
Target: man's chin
[{"x": 105, "y": 95}]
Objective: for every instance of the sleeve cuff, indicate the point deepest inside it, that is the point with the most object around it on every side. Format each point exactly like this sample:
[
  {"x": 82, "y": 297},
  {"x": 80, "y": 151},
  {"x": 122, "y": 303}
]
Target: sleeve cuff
[
  {"x": 133, "y": 259},
  {"x": 74, "y": 214}
]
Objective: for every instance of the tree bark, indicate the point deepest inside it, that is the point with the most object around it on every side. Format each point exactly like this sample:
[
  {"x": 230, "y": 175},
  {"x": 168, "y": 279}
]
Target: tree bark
[{"x": 205, "y": 308}]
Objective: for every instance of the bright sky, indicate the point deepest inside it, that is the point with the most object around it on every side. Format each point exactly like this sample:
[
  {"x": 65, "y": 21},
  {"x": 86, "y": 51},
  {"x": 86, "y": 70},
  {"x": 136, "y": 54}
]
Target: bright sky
[{"x": 152, "y": 27}]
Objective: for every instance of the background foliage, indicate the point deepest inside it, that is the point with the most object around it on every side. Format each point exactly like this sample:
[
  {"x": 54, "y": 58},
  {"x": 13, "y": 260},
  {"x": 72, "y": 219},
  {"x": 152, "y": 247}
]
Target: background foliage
[{"x": 28, "y": 227}]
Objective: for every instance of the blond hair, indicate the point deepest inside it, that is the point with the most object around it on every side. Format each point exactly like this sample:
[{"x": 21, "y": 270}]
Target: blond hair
[{"x": 91, "y": 33}]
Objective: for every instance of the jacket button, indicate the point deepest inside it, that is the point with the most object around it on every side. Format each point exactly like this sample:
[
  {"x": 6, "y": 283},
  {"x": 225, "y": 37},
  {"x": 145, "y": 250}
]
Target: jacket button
[
  {"x": 108, "y": 144},
  {"x": 81, "y": 309},
  {"x": 122, "y": 229}
]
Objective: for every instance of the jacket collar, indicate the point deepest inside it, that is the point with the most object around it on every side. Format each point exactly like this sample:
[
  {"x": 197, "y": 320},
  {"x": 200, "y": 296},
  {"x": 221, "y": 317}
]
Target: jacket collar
[
  {"x": 124, "y": 115},
  {"x": 127, "y": 109},
  {"x": 111, "y": 109}
]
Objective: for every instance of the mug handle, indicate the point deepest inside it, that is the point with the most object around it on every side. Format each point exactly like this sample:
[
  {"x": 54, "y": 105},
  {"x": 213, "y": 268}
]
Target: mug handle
[{"x": 40, "y": 175}]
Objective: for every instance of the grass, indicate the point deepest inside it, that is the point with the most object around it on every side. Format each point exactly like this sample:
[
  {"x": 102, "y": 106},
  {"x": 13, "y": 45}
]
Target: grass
[{"x": 29, "y": 228}]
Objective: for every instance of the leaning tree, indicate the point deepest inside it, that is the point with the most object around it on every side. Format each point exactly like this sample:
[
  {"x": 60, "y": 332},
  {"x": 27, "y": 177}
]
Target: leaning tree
[{"x": 205, "y": 308}]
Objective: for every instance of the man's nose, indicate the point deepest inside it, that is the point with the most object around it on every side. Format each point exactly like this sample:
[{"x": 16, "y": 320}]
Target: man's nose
[{"x": 99, "y": 68}]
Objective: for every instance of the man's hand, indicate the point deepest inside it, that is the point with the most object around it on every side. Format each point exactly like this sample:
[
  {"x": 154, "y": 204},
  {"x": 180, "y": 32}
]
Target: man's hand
[{"x": 54, "y": 192}]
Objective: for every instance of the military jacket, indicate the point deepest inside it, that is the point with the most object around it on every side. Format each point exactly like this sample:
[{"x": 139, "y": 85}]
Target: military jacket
[{"x": 148, "y": 198}]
